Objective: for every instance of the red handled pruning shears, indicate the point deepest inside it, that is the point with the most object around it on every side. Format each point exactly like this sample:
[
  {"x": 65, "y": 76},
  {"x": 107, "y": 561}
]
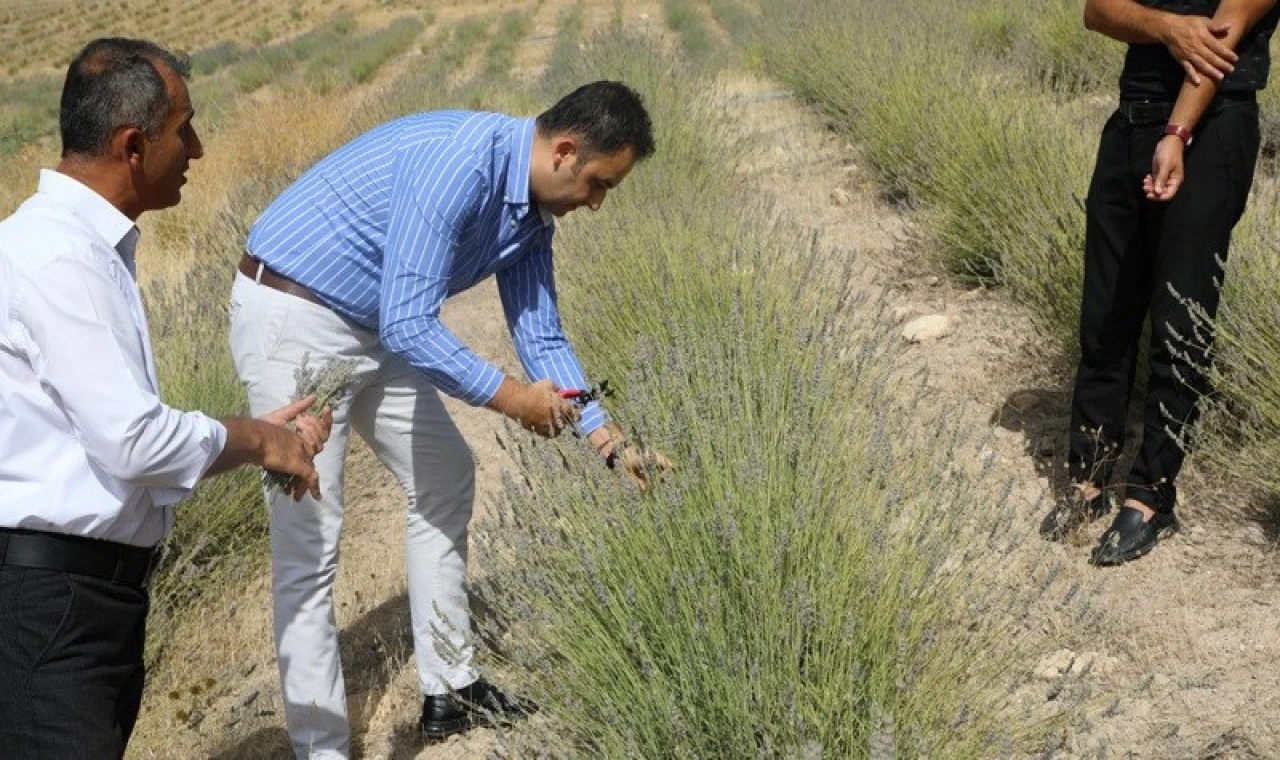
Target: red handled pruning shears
[{"x": 584, "y": 396}]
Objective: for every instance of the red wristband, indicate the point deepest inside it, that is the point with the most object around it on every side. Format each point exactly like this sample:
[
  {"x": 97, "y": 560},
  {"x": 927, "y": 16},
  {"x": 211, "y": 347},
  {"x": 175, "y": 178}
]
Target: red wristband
[{"x": 1179, "y": 131}]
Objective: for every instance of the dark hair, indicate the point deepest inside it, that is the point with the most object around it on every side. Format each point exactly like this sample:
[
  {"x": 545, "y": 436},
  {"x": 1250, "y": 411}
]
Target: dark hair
[
  {"x": 113, "y": 83},
  {"x": 607, "y": 116}
]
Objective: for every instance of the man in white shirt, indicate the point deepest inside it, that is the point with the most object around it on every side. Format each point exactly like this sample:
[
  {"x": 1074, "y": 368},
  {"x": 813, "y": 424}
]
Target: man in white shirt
[{"x": 91, "y": 460}]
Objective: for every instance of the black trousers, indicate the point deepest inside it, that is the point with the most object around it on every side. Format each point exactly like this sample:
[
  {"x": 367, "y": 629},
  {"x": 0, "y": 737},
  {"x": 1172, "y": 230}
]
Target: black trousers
[
  {"x": 1138, "y": 253},
  {"x": 71, "y": 669}
]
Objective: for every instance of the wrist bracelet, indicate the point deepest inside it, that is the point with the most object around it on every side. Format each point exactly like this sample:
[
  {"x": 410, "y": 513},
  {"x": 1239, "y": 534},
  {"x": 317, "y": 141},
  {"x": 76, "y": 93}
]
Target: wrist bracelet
[{"x": 1180, "y": 132}]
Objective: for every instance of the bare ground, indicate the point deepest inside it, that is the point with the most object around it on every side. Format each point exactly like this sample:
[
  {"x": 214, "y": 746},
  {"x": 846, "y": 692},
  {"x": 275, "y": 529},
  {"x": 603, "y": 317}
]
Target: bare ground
[{"x": 1181, "y": 647}]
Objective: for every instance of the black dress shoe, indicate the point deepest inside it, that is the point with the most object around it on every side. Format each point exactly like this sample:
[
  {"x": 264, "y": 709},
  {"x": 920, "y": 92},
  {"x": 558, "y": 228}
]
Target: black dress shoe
[
  {"x": 1129, "y": 537},
  {"x": 1072, "y": 510},
  {"x": 478, "y": 704}
]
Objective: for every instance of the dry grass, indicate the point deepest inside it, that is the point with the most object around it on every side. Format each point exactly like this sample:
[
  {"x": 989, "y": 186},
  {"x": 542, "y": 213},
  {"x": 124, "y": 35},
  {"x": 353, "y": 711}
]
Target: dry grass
[{"x": 284, "y": 135}]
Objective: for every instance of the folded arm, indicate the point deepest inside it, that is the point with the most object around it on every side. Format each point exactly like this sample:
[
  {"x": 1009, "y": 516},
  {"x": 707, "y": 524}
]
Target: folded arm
[
  {"x": 1167, "y": 169},
  {"x": 1197, "y": 42}
]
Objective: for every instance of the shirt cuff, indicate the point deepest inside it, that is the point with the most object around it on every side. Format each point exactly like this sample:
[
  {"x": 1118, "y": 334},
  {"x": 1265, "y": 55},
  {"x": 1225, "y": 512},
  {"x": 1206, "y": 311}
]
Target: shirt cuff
[
  {"x": 213, "y": 439},
  {"x": 481, "y": 384},
  {"x": 593, "y": 417}
]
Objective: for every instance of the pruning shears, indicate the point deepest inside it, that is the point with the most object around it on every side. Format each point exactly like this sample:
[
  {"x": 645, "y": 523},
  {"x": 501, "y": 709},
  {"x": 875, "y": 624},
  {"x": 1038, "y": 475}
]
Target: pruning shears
[{"x": 584, "y": 396}]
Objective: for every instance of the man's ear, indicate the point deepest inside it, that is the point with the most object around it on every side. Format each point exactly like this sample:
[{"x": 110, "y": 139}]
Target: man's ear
[
  {"x": 564, "y": 148},
  {"x": 129, "y": 144}
]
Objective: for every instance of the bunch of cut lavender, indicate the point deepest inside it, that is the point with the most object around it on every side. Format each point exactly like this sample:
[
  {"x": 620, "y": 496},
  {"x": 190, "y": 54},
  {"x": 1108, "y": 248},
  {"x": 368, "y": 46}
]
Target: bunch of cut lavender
[{"x": 329, "y": 384}]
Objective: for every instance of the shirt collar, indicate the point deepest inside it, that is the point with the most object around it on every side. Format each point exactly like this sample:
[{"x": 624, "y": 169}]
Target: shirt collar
[
  {"x": 518, "y": 168},
  {"x": 103, "y": 218}
]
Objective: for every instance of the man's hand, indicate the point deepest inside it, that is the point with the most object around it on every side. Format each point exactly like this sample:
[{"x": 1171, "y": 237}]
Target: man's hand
[
  {"x": 313, "y": 429},
  {"x": 1167, "y": 170},
  {"x": 291, "y": 451},
  {"x": 637, "y": 463},
  {"x": 536, "y": 407},
  {"x": 1199, "y": 44},
  {"x": 269, "y": 443}
]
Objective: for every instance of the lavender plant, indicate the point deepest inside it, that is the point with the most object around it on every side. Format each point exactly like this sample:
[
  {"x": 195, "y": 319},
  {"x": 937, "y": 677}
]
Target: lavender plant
[
  {"x": 808, "y": 583},
  {"x": 329, "y": 382}
]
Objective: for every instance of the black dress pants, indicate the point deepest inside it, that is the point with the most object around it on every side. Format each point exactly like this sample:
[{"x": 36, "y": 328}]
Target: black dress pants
[
  {"x": 1138, "y": 254},
  {"x": 71, "y": 669}
]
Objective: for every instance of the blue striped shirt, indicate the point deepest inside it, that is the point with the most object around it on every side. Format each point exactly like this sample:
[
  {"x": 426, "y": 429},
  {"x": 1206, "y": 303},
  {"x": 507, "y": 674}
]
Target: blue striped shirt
[{"x": 420, "y": 208}]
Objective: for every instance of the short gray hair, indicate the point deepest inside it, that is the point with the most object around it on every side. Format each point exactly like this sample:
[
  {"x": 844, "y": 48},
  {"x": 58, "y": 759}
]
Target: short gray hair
[{"x": 111, "y": 84}]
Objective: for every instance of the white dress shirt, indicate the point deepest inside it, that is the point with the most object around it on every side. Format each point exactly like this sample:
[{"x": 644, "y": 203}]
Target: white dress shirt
[{"x": 86, "y": 446}]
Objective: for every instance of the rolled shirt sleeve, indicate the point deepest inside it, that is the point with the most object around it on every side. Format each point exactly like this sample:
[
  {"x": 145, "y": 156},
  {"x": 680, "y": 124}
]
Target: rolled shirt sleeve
[
  {"x": 92, "y": 358},
  {"x": 528, "y": 293}
]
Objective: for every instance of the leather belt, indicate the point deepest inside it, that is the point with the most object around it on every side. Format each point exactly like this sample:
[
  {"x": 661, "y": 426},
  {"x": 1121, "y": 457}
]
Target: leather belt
[
  {"x": 121, "y": 564},
  {"x": 259, "y": 272}
]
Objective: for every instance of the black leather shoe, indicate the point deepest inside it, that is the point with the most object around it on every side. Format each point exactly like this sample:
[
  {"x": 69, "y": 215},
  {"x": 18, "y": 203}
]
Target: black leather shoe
[
  {"x": 1072, "y": 511},
  {"x": 1129, "y": 537},
  {"x": 478, "y": 704}
]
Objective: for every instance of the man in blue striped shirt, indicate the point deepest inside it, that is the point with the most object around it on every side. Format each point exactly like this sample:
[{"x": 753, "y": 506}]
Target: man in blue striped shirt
[{"x": 357, "y": 257}]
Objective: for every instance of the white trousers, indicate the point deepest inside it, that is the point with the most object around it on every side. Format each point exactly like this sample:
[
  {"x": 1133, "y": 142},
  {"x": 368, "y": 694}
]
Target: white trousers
[{"x": 400, "y": 415}]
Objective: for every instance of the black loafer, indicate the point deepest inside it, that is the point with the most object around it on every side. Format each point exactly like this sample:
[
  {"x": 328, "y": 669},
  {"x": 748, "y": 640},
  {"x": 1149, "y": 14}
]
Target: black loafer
[
  {"x": 477, "y": 704},
  {"x": 1129, "y": 537},
  {"x": 1072, "y": 511}
]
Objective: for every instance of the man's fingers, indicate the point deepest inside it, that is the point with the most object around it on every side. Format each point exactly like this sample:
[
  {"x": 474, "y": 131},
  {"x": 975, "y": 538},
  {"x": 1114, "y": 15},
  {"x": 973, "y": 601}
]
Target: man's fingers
[
  {"x": 326, "y": 423},
  {"x": 1215, "y": 68},
  {"x": 313, "y": 432},
  {"x": 289, "y": 411},
  {"x": 1192, "y": 74},
  {"x": 303, "y": 484}
]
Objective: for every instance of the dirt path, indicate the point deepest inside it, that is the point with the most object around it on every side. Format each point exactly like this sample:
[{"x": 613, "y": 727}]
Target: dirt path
[{"x": 1182, "y": 646}]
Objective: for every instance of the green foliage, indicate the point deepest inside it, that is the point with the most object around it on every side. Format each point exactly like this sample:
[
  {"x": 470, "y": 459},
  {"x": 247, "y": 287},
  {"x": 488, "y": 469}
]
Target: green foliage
[
  {"x": 735, "y": 19},
  {"x": 275, "y": 61},
  {"x": 369, "y": 52},
  {"x": 449, "y": 50},
  {"x": 211, "y": 59},
  {"x": 683, "y": 18},
  {"x": 998, "y": 167},
  {"x": 568, "y": 36},
  {"x": 1269, "y": 116},
  {"x": 790, "y": 590},
  {"x": 1242, "y": 431},
  {"x": 28, "y": 111},
  {"x": 500, "y": 54},
  {"x": 1046, "y": 40}
]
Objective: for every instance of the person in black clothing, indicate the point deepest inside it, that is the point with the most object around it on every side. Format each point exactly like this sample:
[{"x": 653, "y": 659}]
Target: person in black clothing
[{"x": 1174, "y": 168}]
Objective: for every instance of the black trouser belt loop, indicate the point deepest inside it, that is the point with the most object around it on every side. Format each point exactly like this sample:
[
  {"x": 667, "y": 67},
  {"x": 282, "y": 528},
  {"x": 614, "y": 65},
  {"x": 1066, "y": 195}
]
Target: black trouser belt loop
[{"x": 107, "y": 560}]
